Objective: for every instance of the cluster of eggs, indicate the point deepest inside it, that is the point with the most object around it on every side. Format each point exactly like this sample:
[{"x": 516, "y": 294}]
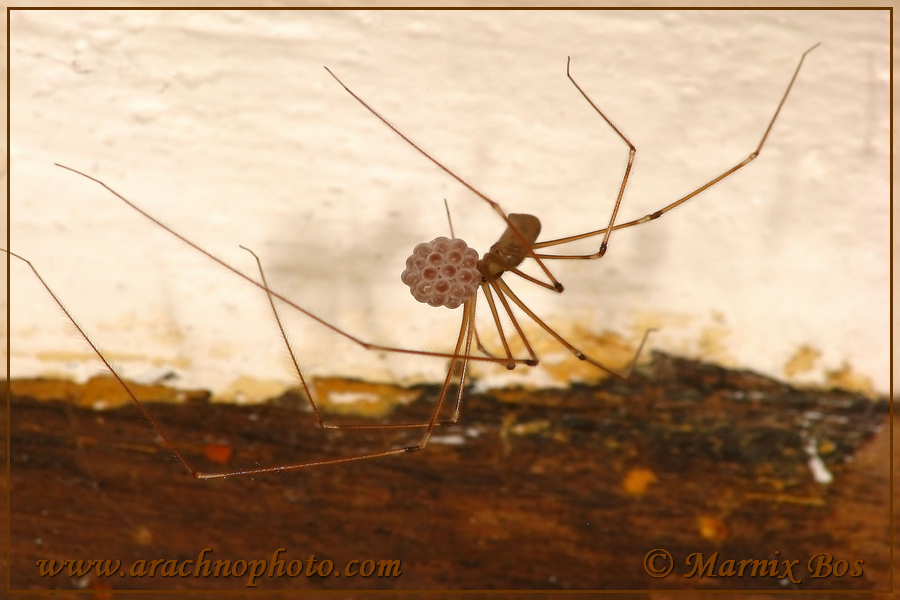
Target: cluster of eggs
[{"x": 442, "y": 272}]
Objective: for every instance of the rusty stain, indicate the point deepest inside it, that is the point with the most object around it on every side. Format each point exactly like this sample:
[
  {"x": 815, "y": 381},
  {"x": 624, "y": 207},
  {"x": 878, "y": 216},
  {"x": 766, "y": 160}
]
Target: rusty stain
[
  {"x": 712, "y": 528},
  {"x": 786, "y": 499},
  {"x": 638, "y": 480},
  {"x": 218, "y": 453},
  {"x": 142, "y": 536}
]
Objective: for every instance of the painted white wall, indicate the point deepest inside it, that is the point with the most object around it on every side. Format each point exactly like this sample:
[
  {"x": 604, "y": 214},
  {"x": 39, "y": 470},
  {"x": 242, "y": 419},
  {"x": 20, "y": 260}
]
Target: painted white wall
[{"x": 226, "y": 126}]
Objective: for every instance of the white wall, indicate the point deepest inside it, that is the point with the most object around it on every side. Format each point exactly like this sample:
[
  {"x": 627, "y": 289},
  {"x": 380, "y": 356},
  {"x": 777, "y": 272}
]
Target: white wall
[{"x": 226, "y": 126}]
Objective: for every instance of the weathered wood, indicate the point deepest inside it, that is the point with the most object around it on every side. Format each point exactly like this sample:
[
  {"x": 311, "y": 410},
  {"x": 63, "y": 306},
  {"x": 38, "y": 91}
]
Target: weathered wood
[{"x": 553, "y": 489}]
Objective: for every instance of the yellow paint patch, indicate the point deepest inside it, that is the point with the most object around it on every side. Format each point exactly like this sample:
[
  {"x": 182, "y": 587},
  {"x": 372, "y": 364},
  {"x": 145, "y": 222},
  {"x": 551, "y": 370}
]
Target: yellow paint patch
[
  {"x": 57, "y": 356},
  {"x": 802, "y": 361},
  {"x": 352, "y": 397},
  {"x": 608, "y": 348},
  {"x": 711, "y": 345},
  {"x": 45, "y": 389},
  {"x": 846, "y": 379},
  {"x": 250, "y": 390},
  {"x": 99, "y": 392},
  {"x": 826, "y": 447},
  {"x": 118, "y": 358},
  {"x": 637, "y": 481},
  {"x": 648, "y": 320}
]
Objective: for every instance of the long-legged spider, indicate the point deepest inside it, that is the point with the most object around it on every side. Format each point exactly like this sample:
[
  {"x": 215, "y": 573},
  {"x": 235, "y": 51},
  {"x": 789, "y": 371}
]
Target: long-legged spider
[{"x": 445, "y": 272}]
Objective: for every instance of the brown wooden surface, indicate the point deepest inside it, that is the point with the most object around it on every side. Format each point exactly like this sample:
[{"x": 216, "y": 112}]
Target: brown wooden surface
[{"x": 550, "y": 490}]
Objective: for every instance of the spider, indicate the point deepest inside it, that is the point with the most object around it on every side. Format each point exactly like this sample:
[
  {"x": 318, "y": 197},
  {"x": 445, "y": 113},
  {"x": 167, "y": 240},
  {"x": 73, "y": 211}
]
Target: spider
[{"x": 444, "y": 272}]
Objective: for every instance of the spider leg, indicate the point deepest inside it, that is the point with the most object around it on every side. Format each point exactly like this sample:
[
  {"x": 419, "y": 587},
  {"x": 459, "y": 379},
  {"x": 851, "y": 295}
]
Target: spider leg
[
  {"x": 632, "y": 151},
  {"x": 490, "y": 300},
  {"x": 321, "y": 321},
  {"x": 460, "y": 357},
  {"x": 466, "y": 330},
  {"x": 504, "y": 289},
  {"x": 140, "y": 405},
  {"x": 611, "y": 226},
  {"x": 463, "y": 359},
  {"x": 554, "y": 284}
]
